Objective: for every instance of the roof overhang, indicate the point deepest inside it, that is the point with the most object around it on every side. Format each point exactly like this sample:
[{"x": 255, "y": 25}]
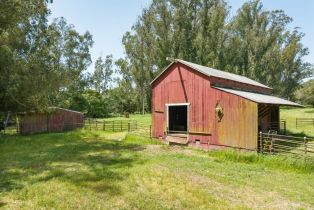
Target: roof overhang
[{"x": 259, "y": 98}]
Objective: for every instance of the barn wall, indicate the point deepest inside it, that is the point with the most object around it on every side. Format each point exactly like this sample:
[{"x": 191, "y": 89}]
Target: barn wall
[
  {"x": 58, "y": 120},
  {"x": 238, "y": 126},
  {"x": 243, "y": 86},
  {"x": 180, "y": 84}
]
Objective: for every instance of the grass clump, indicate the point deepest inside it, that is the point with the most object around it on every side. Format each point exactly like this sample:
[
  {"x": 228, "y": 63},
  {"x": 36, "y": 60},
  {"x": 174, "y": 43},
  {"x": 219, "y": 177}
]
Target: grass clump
[{"x": 286, "y": 162}]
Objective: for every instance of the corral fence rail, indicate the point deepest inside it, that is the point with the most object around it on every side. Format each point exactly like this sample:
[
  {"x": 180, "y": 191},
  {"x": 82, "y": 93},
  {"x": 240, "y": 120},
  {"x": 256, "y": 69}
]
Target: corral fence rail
[
  {"x": 282, "y": 144},
  {"x": 280, "y": 127},
  {"x": 299, "y": 122},
  {"x": 118, "y": 126}
]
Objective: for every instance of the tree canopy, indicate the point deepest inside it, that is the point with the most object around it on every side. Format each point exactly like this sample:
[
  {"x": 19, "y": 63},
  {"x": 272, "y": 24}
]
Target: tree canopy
[
  {"x": 305, "y": 94},
  {"x": 44, "y": 63},
  {"x": 255, "y": 42}
]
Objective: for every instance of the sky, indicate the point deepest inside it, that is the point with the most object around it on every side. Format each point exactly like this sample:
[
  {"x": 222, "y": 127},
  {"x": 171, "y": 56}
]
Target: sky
[{"x": 108, "y": 20}]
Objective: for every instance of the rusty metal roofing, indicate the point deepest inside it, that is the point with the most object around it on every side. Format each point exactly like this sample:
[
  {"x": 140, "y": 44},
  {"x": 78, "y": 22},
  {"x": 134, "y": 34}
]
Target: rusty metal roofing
[
  {"x": 259, "y": 98},
  {"x": 222, "y": 74}
]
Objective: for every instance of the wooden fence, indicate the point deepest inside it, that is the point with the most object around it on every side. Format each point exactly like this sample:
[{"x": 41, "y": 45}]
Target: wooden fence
[
  {"x": 299, "y": 122},
  {"x": 131, "y": 126},
  {"x": 276, "y": 144},
  {"x": 112, "y": 125},
  {"x": 280, "y": 127}
]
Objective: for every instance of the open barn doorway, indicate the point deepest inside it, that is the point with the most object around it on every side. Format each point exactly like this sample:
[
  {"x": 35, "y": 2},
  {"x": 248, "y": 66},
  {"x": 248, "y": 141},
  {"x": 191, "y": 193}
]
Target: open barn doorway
[{"x": 177, "y": 119}]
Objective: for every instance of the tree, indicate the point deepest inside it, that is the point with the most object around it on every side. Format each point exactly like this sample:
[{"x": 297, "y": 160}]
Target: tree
[
  {"x": 255, "y": 43},
  {"x": 41, "y": 64},
  {"x": 260, "y": 47},
  {"x": 306, "y": 93},
  {"x": 102, "y": 76}
]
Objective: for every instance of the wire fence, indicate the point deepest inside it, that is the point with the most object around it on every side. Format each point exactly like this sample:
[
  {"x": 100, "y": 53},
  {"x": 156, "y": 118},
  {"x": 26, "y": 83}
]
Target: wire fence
[{"x": 282, "y": 144}]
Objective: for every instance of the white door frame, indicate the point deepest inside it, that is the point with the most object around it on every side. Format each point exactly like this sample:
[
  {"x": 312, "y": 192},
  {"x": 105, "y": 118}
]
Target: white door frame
[{"x": 187, "y": 110}]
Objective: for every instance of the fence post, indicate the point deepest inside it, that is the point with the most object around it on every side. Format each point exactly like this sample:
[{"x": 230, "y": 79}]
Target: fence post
[
  {"x": 96, "y": 125},
  {"x": 104, "y": 127},
  {"x": 261, "y": 141},
  {"x": 305, "y": 145},
  {"x": 271, "y": 145},
  {"x": 128, "y": 126},
  {"x": 285, "y": 126}
]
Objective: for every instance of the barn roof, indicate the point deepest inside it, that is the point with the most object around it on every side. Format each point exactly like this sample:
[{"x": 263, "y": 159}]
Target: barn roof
[
  {"x": 216, "y": 73},
  {"x": 259, "y": 98}
]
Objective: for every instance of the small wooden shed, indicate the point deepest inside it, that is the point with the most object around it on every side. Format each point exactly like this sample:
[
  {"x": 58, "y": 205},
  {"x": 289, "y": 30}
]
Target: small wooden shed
[
  {"x": 56, "y": 120},
  {"x": 194, "y": 104}
]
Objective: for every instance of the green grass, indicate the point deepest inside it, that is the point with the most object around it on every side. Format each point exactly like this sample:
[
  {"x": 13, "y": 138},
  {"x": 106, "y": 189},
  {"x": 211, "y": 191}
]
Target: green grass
[
  {"x": 87, "y": 170},
  {"x": 142, "y": 119},
  {"x": 290, "y": 115}
]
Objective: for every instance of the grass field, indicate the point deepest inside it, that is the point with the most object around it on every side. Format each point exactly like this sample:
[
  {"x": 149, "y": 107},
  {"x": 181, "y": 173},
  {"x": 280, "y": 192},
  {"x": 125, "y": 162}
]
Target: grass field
[
  {"x": 89, "y": 170},
  {"x": 290, "y": 115}
]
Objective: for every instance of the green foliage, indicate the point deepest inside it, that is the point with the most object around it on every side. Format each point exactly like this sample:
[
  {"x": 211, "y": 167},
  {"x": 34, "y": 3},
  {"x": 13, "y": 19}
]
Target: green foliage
[
  {"x": 290, "y": 163},
  {"x": 255, "y": 42},
  {"x": 40, "y": 63},
  {"x": 306, "y": 93}
]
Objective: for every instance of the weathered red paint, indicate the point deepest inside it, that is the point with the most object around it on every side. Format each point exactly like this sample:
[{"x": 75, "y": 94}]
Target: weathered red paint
[
  {"x": 56, "y": 121},
  {"x": 181, "y": 84}
]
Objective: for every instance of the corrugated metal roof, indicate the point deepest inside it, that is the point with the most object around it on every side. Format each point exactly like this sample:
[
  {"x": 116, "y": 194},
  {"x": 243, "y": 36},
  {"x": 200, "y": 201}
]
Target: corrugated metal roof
[
  {"x": 221, "y": 74},
  {"x": 259, "y": 98}
]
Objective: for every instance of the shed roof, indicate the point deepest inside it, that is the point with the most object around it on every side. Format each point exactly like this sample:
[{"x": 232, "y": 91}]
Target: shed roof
[
  {"x": 259, "y": 98},
  {"x": 216, "y": 73}
]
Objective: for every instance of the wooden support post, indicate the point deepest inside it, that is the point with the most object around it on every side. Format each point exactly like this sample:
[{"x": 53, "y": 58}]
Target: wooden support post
[
  {"x": 96, "y": 126},
  {"x": 261, "y": 141},
  {"x": 104, "y": 127},
  {"x": 271, "y": 145},
  {"x": 305, "y": 145},
  {"x": 129, "y": 126},
  {"x": 285, "y": 126}
]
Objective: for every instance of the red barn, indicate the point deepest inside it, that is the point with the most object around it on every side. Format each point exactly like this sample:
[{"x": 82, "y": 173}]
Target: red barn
[
  {"x": 56, "y": 120},
  {"x": 194, "y": 104}
]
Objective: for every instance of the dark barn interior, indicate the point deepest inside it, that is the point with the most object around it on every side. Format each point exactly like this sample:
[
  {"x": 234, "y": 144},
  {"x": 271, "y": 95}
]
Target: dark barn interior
[
  {"x": 178, "y": 119},
  {"x": 268, "y": 118}
]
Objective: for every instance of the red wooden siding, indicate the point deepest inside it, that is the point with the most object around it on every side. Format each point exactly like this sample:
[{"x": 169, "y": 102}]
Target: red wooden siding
[
  {"x": 58, "y": 120},
  {"x": 181, "y": 84},
  {"x": 243, "y": 86}
]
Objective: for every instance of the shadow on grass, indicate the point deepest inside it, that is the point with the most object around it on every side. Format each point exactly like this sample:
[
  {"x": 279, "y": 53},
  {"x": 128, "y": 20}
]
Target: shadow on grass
[{"x": 71, "y": 157}]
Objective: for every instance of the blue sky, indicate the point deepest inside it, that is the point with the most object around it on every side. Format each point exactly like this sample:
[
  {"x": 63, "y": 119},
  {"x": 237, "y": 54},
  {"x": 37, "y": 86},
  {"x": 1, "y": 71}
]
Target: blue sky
[{"x": 108, "y": 20}]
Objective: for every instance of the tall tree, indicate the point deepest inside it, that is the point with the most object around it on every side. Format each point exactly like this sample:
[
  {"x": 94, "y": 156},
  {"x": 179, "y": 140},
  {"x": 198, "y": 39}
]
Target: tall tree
[
  {"x": 305, "y": 94},
  {"x": 102, "y": 76},
  {"x": 255, "y": 42},
  {"x": 38, "y": 62}
]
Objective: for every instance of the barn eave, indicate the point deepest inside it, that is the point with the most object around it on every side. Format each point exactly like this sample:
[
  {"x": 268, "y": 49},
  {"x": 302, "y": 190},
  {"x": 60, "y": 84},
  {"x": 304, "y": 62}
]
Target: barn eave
[{"x": 260, "y": 98}]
